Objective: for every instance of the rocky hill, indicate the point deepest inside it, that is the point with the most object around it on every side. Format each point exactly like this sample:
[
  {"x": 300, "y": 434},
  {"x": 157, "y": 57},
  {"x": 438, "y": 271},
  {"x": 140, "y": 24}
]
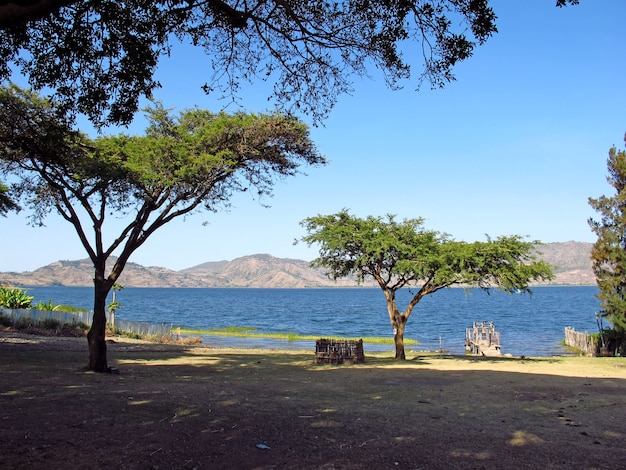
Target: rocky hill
[
  {"x": 571, "y": 261},
  {"x": 263, "y": 271},
  {"x": 249, "y": 271}
]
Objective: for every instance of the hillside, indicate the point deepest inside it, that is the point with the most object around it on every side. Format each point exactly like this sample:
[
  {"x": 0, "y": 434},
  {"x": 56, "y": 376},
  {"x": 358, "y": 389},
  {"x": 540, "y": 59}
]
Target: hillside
[
  {"x": 249, "y": 271},
  {"x": 262, "y": 270},
  {"x": 571, "y": 261}
]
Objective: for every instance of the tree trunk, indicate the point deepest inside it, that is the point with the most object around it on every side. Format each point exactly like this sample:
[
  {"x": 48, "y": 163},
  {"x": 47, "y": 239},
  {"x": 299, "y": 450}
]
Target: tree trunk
[
  {"x": 97, "y": 332},
  {"x": 398, "y": 337},
  {"x": 398, "y": 322}
]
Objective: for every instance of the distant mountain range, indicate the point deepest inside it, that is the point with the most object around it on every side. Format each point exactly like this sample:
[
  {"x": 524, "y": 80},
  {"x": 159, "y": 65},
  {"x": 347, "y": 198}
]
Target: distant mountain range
[{"x": 571, "y": 261}]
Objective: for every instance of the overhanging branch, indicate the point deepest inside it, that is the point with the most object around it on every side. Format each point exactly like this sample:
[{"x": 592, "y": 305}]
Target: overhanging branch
[{"x": 16, "y": 13}]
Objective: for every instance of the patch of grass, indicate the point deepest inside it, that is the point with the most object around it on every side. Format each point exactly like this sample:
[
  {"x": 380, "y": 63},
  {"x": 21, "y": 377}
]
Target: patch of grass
[
  {"x": 233, "y": 330},
  {"x": 69, "y": 308},
  {"x": 244, "y": 331}
]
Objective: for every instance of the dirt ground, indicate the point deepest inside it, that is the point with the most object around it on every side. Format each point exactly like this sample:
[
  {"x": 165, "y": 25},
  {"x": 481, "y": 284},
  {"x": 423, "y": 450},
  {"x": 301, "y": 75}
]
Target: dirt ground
[{"x": 202, "y": 408}]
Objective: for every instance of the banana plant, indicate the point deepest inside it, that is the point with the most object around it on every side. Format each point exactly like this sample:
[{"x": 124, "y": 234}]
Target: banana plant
[{"x": 14, "y": 298}]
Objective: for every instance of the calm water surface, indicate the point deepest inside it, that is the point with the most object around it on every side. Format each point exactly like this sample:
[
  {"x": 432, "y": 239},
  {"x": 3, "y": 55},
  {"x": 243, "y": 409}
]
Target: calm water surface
[{"x": 529, "y": 325}]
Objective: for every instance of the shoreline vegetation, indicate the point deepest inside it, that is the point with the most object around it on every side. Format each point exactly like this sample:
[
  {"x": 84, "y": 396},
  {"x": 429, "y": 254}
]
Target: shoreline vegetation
[
  {"x": 52, "y": 327},
  {"x": 249, "y": 332}
]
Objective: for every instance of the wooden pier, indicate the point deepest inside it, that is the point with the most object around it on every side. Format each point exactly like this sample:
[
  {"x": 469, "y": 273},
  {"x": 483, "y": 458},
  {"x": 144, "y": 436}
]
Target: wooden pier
[{"x": 482, "y": 339}]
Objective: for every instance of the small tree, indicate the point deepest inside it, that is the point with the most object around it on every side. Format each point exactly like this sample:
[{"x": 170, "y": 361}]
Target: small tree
[
  {"x": 608, "y": 254},
  {"x": 404, "y": 254},
  {"x": 114, "y": 305},
  {"x": 182, "y": 164}
]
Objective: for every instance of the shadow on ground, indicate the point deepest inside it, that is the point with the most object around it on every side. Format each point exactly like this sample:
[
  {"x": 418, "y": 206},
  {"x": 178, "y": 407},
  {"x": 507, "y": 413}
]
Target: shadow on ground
[{"x": 175, "y": 407}]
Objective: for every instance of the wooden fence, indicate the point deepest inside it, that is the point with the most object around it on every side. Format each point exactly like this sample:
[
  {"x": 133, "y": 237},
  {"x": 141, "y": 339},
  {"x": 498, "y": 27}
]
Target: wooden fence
[
  {"x": 584, "y": 342},
  {"x": 140, "y": 328}
]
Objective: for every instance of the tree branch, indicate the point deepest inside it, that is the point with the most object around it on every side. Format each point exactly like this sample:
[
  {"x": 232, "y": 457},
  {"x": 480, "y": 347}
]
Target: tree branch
[{"x": 15, "y": 13}]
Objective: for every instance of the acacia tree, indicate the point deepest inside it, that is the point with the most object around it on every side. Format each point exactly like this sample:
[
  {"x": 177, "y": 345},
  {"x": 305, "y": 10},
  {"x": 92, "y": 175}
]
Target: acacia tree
[
  {"x": 405, "y": 255},
  {"x": 194, "y": 161},
  {"x": 99, "y": 56},
  {"x": 608, "y": 254}
]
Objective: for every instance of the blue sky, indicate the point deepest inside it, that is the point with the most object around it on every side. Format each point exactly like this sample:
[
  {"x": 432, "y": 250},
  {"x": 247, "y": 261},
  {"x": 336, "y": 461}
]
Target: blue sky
[{"x": 515, "y": 146}]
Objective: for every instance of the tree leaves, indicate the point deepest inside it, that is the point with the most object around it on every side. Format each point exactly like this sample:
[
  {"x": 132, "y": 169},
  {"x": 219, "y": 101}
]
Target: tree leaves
[
  {"x": 99, "y": 56},
  {"x": 406, "y": 255},
  {"x": 401, "y": 254},
  {"x": 183, "y": 163},
  {"x": 608, "y": 254}
]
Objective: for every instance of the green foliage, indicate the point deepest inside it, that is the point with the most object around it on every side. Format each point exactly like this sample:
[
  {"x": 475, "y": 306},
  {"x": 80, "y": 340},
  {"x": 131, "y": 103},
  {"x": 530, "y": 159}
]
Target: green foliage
[
  {"x": 69, "y": 308},
  {"x": 229, "y": 330},
  {"x": 185, "y": 163},
  {"x": 248, "y": 332},
  {"x": 6, "y": 203},
  {"x": 100, "y": 56},
  {"x": 48, "y": 306},
  {"x": 608, "y": 254},
  {"x": 404, "y": 254},
  {"x": 114, "y": 304},
  {"x": 182, "y": 164},
  {"x": 612, "y": 340},
  {"x": 15, "y": 298}
]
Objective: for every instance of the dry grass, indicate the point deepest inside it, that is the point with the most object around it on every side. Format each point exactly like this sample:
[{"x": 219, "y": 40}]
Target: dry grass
[{"x": 195, "y": 407}]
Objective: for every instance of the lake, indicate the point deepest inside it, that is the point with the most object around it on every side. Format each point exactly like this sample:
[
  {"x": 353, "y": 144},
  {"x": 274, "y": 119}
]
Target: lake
[{"x": 530, "y": 325}]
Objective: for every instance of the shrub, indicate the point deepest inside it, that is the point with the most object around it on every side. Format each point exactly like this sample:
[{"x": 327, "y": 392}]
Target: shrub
[
  {"x": 50, "y": 307},
  {"x": 5, "y": 321},
  {"x": 23, "y": 323},
  {"x": 45, "y": 306},
  {"x": 14, "y": 298},
  {"x": 49, "y": 324}
]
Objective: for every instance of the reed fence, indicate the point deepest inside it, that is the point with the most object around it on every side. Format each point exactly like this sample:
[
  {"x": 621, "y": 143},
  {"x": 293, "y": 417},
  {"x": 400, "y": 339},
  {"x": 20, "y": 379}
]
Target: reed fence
[
  {"x": 74, "y": 318},
  {"x": 584, "y": 342}
]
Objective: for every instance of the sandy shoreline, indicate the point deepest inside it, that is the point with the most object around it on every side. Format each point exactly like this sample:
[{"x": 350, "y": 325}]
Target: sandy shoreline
[{"x": 571, "y": 366}]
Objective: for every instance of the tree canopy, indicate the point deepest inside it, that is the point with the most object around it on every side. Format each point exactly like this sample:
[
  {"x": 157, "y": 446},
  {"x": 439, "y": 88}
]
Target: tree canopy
[
  {"x": 608, "y": 254},
  {"x": 406, "y": 255},
  {"x": 100, "y": 56},
  {"x": 6, "y": 204},
  {"x": 183, "y": 163}
]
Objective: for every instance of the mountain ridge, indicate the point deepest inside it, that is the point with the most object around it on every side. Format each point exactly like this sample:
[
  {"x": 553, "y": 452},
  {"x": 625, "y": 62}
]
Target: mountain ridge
[{"x": 571, "y": 261}]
